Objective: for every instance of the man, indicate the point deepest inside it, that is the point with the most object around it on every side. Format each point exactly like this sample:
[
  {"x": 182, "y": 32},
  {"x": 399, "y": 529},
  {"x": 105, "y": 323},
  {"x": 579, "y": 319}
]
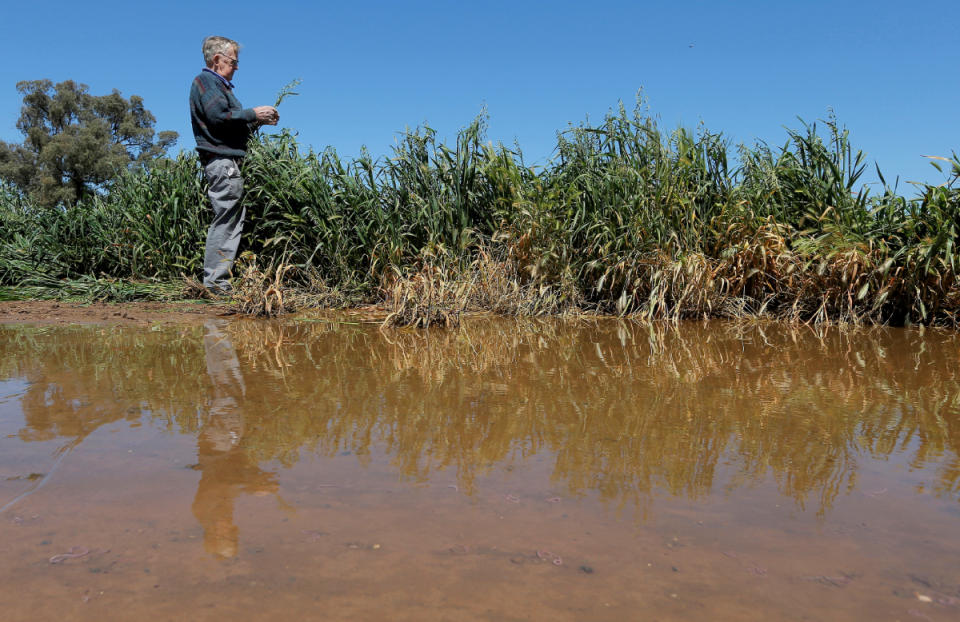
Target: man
[{"x": 222, "y": 128}]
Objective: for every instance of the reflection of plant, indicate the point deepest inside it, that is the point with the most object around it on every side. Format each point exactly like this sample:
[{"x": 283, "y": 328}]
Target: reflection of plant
[{"x": 625, "y": 408}]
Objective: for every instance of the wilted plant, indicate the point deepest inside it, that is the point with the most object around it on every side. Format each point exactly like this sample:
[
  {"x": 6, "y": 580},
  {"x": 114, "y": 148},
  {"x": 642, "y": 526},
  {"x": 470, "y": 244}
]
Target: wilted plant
[
  {"x": 431, "y": 296},
  {"x": 260, "y": 289}
]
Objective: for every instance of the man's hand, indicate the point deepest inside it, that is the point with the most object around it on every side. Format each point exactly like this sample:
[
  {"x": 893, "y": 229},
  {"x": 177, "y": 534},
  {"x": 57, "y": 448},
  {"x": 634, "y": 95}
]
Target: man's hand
[{"x": 267, "y": 115}]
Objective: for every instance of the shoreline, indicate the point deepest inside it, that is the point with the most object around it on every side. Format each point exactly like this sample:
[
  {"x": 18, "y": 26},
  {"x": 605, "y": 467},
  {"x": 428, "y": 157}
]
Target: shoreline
[
  {"x": 195, "y": 312},
  {"x": 52, "y": 312},
  {"x": 149, "y": 313}
]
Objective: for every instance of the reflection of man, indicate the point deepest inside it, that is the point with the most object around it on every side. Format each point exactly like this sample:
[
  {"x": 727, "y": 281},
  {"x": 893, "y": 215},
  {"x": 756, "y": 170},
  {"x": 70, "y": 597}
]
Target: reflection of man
[
  {"x": 226, "y": 468},
  {"x": 222, "y": 128}
]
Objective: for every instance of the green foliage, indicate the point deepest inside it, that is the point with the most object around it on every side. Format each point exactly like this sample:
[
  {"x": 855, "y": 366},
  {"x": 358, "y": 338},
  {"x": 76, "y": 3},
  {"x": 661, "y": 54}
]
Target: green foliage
[
  {"x": 75, "y": 142},
  {"x": 626, "y": 219},
  {"x": 154, "y": 224}
]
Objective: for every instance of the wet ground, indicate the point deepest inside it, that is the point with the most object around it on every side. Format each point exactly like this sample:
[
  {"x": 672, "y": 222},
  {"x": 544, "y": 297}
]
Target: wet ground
[
  {"x": 52, "y": 312},
  {"x": 324, "y": 469}
]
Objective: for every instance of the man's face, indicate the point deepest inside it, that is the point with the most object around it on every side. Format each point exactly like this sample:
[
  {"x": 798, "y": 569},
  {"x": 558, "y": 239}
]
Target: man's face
[{"x": 226, "y": 64}]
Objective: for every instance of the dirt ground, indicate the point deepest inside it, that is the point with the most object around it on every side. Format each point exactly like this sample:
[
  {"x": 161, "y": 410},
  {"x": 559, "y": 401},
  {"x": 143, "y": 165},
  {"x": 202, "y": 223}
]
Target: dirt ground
[{"x": 52, "y": 312}]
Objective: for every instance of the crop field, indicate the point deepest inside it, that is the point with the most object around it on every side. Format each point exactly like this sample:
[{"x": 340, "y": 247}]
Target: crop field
[{"x": 626, "y": 219}]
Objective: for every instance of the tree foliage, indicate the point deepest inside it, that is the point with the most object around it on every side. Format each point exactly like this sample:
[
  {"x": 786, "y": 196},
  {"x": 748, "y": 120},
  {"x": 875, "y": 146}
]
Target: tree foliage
[{"x": 75, "y": 142}]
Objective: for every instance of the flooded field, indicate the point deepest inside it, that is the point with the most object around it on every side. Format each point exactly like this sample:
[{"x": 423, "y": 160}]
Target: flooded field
[{"x": 506, "y": 471}]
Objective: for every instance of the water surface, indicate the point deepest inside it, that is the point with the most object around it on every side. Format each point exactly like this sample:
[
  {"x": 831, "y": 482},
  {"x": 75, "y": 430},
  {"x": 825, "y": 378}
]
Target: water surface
[{"x": 507, "y": 471}]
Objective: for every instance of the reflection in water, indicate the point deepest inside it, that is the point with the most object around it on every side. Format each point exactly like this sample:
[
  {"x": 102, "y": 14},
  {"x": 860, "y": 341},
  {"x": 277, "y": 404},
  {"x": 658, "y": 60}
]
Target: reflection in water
[
  {"x": 622, "y": 410},
  {"x": 227, "y": 468}
]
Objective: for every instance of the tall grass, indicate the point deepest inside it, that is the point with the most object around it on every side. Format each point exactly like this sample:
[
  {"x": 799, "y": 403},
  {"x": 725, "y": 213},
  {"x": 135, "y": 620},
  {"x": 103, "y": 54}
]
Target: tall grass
[{"x": 626, "y": 218}]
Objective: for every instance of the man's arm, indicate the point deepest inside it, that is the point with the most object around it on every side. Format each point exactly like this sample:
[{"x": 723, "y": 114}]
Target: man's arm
[
  {"x": 216, "y": 109},
  {"x": 218, "y": 112}
]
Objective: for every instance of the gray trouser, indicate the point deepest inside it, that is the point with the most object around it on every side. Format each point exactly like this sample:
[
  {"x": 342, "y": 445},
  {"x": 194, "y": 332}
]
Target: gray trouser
[{"x": 225, "y": 186}]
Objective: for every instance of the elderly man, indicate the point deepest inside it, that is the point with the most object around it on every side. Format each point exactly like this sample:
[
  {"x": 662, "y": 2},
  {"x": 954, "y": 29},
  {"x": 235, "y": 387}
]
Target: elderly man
[{"x": 222, "y": 128}]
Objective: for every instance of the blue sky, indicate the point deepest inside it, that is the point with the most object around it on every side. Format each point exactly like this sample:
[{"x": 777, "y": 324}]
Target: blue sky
[{"x": 889, "y": 70}]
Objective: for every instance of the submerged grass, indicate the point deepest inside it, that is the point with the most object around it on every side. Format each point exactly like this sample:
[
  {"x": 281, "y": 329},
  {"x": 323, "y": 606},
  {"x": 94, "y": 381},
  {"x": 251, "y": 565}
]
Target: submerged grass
[{"x": 626, "y": 219}]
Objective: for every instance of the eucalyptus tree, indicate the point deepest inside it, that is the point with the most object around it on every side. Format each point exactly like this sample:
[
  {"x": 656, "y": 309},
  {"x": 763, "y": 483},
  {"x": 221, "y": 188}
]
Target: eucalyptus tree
[{"x": 75, "y": 142}]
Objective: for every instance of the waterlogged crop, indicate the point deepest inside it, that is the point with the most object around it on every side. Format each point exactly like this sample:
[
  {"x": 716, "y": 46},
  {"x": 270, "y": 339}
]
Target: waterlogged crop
[{"x": 627, "y": 219}]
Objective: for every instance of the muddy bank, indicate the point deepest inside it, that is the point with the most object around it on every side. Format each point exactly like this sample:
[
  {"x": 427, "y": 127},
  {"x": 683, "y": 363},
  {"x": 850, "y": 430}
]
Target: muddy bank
[{"x": 53, "y": 312}]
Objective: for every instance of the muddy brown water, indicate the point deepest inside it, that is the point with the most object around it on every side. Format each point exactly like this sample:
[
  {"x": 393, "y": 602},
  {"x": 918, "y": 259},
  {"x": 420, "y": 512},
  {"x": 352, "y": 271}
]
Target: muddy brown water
[{"x": 598, "y": 470}]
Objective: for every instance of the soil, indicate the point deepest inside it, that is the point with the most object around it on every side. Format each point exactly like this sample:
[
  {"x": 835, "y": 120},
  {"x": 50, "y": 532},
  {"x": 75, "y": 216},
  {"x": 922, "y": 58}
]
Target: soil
[{"x": 53, "y": 312}]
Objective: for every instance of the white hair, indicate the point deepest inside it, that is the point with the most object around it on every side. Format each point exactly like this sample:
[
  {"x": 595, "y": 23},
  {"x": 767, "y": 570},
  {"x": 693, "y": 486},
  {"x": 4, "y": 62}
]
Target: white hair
[{"x": 218, "y": 45}]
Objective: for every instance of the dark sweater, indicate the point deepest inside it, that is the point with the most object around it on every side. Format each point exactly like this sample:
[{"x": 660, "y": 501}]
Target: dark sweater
[{"x": 220, "y": 124}]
